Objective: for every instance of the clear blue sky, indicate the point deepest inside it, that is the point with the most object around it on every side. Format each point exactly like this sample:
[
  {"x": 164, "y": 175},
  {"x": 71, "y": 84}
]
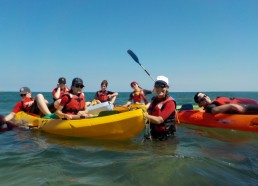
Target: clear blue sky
[{"x": 200, "y": 45}]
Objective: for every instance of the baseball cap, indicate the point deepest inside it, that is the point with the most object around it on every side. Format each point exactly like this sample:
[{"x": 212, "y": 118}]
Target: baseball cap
[
  {"x": 77, "y": 81},
  {"x": 62, "y": 80},
  {"x": 134, "y": 82},
  {"x": 24, "y": 90}
]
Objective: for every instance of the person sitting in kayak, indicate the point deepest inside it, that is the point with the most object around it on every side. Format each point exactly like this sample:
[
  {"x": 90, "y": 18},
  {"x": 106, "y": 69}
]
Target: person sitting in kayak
[
  {"x": 59, "y": 91},
  {"x": 162, "y": 111},
  {"x": 104, "y": 95},
  {"x": 72, "y": 105},
  {"x": 138, "y": 95},
  {"x": 36, "y": 106},
  {"x": 226, "y": 105}
]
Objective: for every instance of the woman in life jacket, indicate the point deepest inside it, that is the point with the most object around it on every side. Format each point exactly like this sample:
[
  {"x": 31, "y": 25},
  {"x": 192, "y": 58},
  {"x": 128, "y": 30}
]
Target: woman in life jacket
[
  {"x": 59, "y": 91},
  {"x": 162, "y": 110},
  {"x": 104, "y": 95},
  {"x": 138, "y": 95},
  {"x": 35, "y": 106},
  {"x": 226, "y": 105},
  {"x": 72, "y": 105}
]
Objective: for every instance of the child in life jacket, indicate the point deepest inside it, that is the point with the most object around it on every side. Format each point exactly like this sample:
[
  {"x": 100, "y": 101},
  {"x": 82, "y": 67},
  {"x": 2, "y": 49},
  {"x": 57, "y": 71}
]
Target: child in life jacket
[
  {"x": 104, "y": 95},
  {"x": 138, "y": 95},
  {"x": 73, "y": 104}
]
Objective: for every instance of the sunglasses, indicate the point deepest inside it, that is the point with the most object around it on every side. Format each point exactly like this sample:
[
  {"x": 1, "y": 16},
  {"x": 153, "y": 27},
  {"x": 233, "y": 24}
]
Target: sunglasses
[
  {"x": 160, "y": 85},
  {"x": 22, "y": 95},
  {"x": 79, "y": 86},
  {"x": 202, "y": 99}
]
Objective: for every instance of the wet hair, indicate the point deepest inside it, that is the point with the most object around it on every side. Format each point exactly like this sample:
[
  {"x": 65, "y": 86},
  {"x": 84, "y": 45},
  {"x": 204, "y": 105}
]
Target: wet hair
[
  {"x": 104, "y": 82},
  {"x": 196, "y": 97}
]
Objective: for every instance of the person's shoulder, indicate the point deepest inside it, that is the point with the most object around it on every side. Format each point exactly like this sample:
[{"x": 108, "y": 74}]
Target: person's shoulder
[
  {"x": 18, "y": 103},
  {"x": 147, "y": 91},
  {"x": 55, "y": 89}
]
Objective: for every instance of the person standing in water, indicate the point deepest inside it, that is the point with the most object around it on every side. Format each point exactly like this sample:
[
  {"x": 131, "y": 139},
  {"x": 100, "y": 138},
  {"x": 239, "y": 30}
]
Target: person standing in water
[{"x": 162, "y": 111}]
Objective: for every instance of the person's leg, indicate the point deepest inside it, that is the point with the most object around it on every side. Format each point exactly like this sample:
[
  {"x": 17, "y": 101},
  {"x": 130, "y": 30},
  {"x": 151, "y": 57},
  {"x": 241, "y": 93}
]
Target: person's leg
[
  {"x": 57, "y": 103},
  {"x": 42, "y": 104},
  {"x": 251, "y": 109},
  {"x": 113, "y": 100}
]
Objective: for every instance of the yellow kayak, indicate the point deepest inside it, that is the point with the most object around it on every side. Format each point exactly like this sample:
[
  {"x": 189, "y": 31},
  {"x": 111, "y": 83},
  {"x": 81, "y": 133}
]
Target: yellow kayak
[
  {"x": 120, "y": 126},
  {"x": 130, "y": 107}
]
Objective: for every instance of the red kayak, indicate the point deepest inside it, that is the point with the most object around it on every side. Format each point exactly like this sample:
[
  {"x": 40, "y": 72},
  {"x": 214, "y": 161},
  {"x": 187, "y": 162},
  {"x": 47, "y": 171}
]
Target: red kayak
[{"x": 228, "y": 121}]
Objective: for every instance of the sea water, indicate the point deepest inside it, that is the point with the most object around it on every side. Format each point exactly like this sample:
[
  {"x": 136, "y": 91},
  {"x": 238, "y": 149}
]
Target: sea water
[{"x": 195, "y": 156}]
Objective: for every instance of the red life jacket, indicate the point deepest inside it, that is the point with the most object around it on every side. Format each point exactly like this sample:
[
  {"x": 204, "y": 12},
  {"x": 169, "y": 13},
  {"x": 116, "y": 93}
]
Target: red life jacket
[
  {"x": 168, "y": 127},
  {"x": 75, "y": 104},
  {"x": 102, "y": 96},
  {"x": 226, "y": 100},
  {"x": 139, "y": 97},
  {"x": 62, "y": 92},
  {"x": 26, "y": 108}
]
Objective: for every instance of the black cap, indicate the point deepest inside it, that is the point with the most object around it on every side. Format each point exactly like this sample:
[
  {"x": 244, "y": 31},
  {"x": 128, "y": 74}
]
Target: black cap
[
  {"x": 24, "y": 90},
  {"x": 77, "y": 81},
  {"x": 62, "y": 80}
]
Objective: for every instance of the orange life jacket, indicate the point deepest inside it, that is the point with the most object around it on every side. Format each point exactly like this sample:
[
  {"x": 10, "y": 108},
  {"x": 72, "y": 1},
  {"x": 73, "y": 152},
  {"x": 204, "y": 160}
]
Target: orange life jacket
[
  {"x": 226, "y": 100},
  {"x": 26, "y": 108},
  {"x": 138, "y": 97},
  {"x": 76, "y": 103},
  {"x": 167, "y": 128},
  {"x": 102, "y": 96}
]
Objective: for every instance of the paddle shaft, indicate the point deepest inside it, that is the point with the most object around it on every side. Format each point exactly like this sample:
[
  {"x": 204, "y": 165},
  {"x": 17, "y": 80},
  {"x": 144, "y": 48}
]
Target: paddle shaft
[{"x": 135, "y": 58}]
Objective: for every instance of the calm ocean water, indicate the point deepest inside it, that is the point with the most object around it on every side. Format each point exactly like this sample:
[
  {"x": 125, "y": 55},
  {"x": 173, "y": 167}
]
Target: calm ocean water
[{"x": 195, "y": 156}]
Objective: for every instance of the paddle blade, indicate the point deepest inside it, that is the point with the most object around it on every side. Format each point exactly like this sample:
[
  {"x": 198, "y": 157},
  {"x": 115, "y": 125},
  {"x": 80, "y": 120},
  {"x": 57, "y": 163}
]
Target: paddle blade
[
  {"x": 186, "y": 107},
  {"x": 135, "y": 58}
]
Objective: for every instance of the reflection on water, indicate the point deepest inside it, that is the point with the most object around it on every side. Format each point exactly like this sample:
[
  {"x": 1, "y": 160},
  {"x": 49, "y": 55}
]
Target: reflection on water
[{"x": 224, "y": 134}]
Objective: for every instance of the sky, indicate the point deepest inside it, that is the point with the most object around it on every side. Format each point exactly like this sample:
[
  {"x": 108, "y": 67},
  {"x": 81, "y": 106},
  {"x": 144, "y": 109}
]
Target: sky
[{"x": 200, "y": 45}]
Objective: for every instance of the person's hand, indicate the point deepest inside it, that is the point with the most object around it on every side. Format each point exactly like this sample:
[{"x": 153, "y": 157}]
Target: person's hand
[
  {"x": 58, "y": 85},
  {"x": 84, "y": 114},
  {"x": 80, "y": 113},
  {"x": 28, "y": 104},
  {"x": 68, "y": 116}
]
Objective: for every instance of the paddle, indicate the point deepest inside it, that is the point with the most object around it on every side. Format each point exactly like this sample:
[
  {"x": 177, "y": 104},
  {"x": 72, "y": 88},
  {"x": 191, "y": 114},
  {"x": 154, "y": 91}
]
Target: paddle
[
  {"x": 186, "y": 107},
  {"x": 135, "y": 58}
]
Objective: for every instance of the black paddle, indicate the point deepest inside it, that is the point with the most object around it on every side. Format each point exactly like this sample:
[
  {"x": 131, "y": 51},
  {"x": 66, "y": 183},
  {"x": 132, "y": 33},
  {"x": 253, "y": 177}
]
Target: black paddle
[{"x": 135, "y": 58}]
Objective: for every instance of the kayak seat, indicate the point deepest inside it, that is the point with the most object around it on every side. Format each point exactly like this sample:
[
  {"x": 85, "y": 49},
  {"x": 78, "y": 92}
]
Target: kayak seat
[{"x": 108, "y": 112}]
